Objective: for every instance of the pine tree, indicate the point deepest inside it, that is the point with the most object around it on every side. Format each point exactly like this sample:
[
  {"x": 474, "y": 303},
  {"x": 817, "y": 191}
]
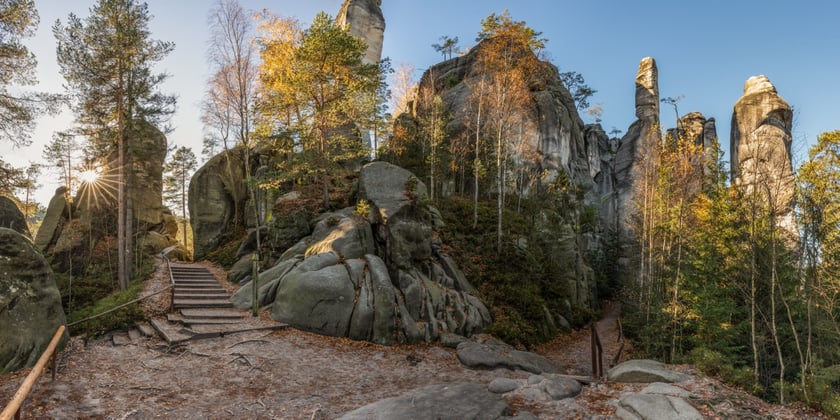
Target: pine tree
[
  {"x": 176, "y": 182},
  {"x": 107, "y": 62}
]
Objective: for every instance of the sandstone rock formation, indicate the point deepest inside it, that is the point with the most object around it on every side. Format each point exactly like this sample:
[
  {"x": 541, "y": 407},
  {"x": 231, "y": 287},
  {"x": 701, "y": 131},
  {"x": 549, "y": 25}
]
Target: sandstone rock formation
[
  {"x": 455, "y": 400},
  {"x": 638, "y": 141},
  {"x": 216, "y": 199},
  {"x": 148, "y": 153},
  {"x": 12, "y": 218},
  {"x": 761, "y": 147},
  {"x": 645, "y": 371},
  {"x": 380, "y": 277},
  {"x": 30, "y": 303},
  {"x": 363, "y": 19},
  {"x": 703, "y": 132},
  {"x": 51, "y": 224}
]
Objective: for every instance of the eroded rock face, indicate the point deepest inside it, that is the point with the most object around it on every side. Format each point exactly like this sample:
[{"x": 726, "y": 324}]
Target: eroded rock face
[
  {"x": 11, "y": 217},
  {"x": 30, "y": 303},
  {"x": 148, "y": 153},
  {"x": 217, "y": 196},
  {"x": 455, "y": 400},
  {"x": 760, "y": 146},
  {"x": 379, "y": 278},
  {"x": 364, "y": 19},
  {"x": 637, "y": 142},
  {"x": 50, "y": 224}
]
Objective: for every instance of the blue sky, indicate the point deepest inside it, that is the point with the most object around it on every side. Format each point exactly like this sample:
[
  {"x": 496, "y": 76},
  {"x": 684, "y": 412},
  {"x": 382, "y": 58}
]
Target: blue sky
[{"x": 705, "y": 52}]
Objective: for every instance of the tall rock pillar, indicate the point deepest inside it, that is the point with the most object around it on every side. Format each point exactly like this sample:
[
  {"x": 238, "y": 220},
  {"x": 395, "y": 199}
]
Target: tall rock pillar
[
  {"x": 636, "y": 145},
  {"x": 760, "y": 146},
  {"x": 364, "y": 19}
]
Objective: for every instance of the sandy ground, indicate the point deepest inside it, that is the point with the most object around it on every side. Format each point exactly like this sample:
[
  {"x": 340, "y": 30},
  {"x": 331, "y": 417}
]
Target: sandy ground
[{"x": 297, "y": 375}]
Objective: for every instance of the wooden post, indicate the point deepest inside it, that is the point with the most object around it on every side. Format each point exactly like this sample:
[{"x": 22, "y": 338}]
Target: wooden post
[{"x": 13, "y": 409}]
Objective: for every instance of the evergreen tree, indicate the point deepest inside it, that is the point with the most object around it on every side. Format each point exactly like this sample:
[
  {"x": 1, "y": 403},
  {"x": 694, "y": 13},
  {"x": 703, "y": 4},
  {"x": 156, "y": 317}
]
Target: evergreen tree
[
  {"x": 318, "y": 84},
  {"x": 18, "y": 110},
  {"x": 176, "y": 182},
  {"x": 107, "y": 61}
]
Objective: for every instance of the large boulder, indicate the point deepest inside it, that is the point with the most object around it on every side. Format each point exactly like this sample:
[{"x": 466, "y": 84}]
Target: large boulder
[
  {"x": 761, "y": 147},
  {"x": 654, "y": 407},
  {"x": 499, "y": 355},
  {"x": 364, "y": 19},
  {"x": 30, "y": 303},
  {"x": 216, "y": 199},
  {"x": 378, "y": 278},
  {"x": 644, "y": 371},
  {"x": 50, "y": 226},
  {"x": 11, "y": 217},
  {"x": 454, "y": 400}
]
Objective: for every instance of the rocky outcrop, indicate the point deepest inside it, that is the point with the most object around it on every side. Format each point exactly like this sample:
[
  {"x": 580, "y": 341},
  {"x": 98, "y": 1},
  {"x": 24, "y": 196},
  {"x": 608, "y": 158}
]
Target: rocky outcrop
[
  {"x": 495, "y": 355},
  {"x": 455, "y": 400},
  {"x": 12, "y": 218},
  {"x": 216, "y": 199},
  {"x": 601, "y": 150},
  {"x": 699, "y": 130},
  {"x": 652, "y": 406},
  {"x": 378, "y": 277},
  {"x": 645, "y": 371},
  {"x": 30, "y": 303},
  {"x": 52, "y": 220},
  {"x": 364, "y": 19},
  {"x": 636, "y": 144},
  {"x": 761, "y": 147},
  {"x": 147, "y": 154}
]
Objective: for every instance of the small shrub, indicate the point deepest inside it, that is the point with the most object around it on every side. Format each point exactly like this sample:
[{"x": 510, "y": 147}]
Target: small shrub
[{"x": 363, "y": 209}]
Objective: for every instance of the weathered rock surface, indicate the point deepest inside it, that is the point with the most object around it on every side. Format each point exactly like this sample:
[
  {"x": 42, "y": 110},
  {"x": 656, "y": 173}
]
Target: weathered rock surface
[
  {"x": 503, "y": 385},
  {"x": 216, "y": 199},
  {"x": 455, "y": 400},
  {"x": 500, "y": 355},
  {"x": 380, "y": 278},
  {"x": 644, "y": 371},
  {"x": 654, "y": 407},
  {"x": 760, "y": 145},
  {"x": 559, "y": 388},
  {"x": 637, "y": 142},
  {"x": 148, "y": 153},
  {"x": 364, "y": 19},
  {"x": 30, "y": 303},
  {"x": 12, "y": 218},
  {"x": 661, "y": 388},
  {"x": 50, "y": 225}
]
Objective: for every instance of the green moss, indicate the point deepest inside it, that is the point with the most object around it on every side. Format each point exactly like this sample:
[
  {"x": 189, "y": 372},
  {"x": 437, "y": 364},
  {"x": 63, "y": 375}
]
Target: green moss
[{"x": 119, "y": 319}]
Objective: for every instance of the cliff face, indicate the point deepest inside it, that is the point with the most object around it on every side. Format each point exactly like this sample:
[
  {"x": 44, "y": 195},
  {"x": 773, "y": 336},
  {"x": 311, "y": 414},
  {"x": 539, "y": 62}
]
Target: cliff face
[
  {"x": 760, "y": 146},
  {"x": 637, "y": 143},
  {"x": 364, "y": 19}
]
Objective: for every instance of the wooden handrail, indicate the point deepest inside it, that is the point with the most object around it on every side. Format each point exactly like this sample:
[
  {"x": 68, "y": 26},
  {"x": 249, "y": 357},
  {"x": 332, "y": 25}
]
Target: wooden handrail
[{"x": 13, "y": 408}]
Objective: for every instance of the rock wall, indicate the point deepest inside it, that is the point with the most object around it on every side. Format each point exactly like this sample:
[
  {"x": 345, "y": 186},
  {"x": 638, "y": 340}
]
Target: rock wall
[
  {"x": 51, "y": 224},
  {"x": 760, "y": 144},
  {"x": 30, "y": 303},
  {"x": 380, "y": 277},
  {"x": 11, "y": 217},
  {"x": 636, "y": 143},
  {"x": 148, "y": 152},
  {"x": 364, "y": 19}
]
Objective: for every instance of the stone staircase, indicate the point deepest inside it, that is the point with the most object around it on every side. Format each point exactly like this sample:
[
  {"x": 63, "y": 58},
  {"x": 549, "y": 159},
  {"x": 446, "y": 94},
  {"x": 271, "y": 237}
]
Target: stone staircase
[{"x": 201, "y": 308}]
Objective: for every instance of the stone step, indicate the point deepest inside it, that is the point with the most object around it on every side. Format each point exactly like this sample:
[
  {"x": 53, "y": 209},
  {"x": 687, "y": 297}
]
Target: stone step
[
  {"x": 196, "y": 283},
  {"x": 199, "y": 290},
  {"x": 200, "y": 296},
  {"x": 208, "y": 321},
  {"x": 192, "y": 303},
  {"x": 171, "y": 333},
  {"x": 212, "y": 313}
]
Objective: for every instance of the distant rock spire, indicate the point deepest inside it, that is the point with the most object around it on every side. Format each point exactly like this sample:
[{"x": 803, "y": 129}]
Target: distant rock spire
[
  {"x": 364, "y": 19},
  {"x": 760, "y": 146}
]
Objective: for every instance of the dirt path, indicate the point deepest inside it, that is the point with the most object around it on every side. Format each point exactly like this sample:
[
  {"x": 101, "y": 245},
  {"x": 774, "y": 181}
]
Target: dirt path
[
  {"x": 291, "y": 374},
  {"x": 573, "y": 352}
]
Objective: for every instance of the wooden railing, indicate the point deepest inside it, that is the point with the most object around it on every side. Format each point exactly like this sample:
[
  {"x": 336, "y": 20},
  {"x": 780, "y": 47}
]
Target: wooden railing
[
  {"x": 597, "y": 353},
  {"x": 13, "y": 408}
]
